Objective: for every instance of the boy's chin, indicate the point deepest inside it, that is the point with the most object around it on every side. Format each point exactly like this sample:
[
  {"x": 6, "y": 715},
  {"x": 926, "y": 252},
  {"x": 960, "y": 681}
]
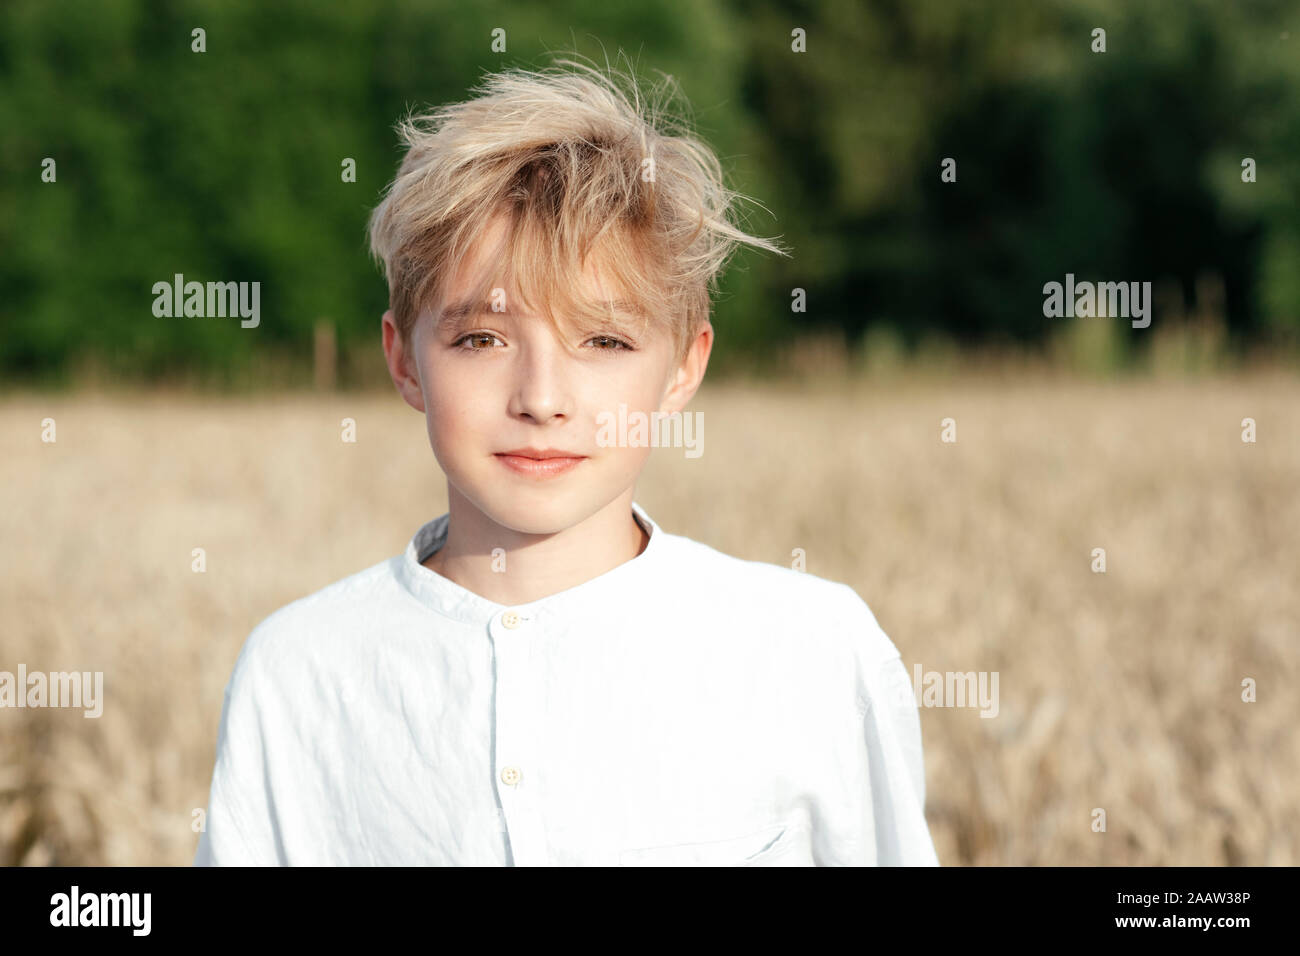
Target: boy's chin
[{"x": 536, "y": 510}]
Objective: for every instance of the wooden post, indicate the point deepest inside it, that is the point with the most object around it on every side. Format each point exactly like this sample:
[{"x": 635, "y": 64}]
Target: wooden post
[{"x": 325, "y": 364}]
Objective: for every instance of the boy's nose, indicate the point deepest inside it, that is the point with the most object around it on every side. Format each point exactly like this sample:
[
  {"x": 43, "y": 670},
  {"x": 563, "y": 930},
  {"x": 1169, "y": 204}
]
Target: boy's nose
[{"x": 541, "y": 391}]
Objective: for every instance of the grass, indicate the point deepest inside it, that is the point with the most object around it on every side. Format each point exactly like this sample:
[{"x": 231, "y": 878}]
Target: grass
[{"x": 1120, "y": 691}]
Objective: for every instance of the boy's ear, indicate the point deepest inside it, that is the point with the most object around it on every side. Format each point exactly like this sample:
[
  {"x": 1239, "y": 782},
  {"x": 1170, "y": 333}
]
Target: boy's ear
[
  {"x": 401, "y": 363},
  {"x": 684, "y": 382}
]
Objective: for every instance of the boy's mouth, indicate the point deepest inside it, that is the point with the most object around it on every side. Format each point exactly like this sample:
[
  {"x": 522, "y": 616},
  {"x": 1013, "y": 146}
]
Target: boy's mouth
[{"x": 539, "y": 462}]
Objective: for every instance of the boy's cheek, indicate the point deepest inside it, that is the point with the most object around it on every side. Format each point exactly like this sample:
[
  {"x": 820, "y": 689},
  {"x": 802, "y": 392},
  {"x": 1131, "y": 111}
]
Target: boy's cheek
[
  {"x": 447, "y": 434},
  {"x": 626, "y": 462}
]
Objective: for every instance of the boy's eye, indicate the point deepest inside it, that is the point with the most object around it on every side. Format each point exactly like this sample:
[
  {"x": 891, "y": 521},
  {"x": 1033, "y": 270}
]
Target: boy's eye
[
  {"x": 609, "y": 344},
  {"x": 482, "y": 342},
  {"x": 473, "y": 337}
]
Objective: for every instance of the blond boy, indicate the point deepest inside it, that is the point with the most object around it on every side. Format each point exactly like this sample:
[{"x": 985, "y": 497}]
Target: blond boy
[{"x": 545, "y": 676}]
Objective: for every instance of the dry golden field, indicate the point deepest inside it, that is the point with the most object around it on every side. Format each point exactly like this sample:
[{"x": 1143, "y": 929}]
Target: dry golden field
[{"x": 1119, "y": 690}]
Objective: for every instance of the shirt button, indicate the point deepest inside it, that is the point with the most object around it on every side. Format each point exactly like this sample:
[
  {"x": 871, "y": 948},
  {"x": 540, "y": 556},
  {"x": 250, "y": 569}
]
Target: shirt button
[
  {"x": 510, "y": 619},
  {"x": 511, "y": 776}
]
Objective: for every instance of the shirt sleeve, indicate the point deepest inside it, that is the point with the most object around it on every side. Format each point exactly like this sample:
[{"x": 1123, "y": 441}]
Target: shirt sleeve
[
  {"x": 240, "y": 827},
  {"x": 896, "y": 768},
  {"x": 893, "y": 826}
]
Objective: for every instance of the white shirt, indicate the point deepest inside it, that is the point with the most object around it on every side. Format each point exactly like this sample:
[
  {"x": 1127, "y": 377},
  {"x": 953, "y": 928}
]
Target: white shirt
[{"x": 684, "y": 708}]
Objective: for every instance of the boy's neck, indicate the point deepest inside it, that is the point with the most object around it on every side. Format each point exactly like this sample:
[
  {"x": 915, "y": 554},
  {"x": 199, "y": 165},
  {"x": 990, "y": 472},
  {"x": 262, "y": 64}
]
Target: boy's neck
[{"x": 533, "y": 566}]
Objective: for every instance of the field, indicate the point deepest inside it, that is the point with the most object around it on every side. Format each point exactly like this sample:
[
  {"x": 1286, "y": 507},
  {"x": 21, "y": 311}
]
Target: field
[{"x": 1119, "y": 690}]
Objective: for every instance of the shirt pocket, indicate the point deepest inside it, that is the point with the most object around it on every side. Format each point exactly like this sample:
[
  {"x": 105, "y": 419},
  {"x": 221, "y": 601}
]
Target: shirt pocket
[{"x": 782, "y": 844}]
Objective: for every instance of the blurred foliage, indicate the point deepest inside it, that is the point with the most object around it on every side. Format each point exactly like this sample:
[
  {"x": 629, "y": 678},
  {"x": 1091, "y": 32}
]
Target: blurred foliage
[{"x": 225, "y": 165}]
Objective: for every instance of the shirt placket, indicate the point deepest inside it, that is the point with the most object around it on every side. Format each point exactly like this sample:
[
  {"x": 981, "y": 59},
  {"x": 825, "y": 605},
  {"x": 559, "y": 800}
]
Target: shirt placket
[{"x": 515, "y": 758}]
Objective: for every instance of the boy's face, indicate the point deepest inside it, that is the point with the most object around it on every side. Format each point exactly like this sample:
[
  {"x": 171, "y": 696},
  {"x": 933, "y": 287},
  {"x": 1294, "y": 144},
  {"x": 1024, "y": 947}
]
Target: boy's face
[{"x": 499, "y": 382}]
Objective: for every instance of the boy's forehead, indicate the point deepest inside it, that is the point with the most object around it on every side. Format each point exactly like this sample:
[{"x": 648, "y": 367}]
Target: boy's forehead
[
  {"x": 466, "y": 308},
  {"x": 591, "y": 285},
  {"x": 593, "y": 288}
]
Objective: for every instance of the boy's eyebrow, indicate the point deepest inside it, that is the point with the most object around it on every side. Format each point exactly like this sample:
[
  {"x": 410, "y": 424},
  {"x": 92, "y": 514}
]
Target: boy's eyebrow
[{"x": 461, "y": 310}]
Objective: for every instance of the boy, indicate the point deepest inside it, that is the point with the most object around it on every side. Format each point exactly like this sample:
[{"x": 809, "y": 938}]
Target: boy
[{"x": 546, "y": 676}]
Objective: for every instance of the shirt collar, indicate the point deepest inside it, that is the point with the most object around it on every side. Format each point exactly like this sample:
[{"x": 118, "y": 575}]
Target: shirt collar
[{"x": 451, "y": 600}]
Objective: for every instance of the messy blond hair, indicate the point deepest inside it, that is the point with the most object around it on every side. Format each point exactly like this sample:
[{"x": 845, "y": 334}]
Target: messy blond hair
[{"x": 563, "y": 154}]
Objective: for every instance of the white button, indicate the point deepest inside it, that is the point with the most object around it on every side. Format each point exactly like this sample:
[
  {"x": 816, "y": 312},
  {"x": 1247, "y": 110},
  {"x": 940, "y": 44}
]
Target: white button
[
  {"x": 510, "y": 619},
  {"x": 511, "y": 775}
]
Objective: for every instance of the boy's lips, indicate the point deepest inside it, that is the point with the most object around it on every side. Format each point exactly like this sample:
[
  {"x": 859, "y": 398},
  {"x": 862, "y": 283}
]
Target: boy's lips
[
  {"x": 541, "y": 453},
  {"x": 539, "y": 462}
]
